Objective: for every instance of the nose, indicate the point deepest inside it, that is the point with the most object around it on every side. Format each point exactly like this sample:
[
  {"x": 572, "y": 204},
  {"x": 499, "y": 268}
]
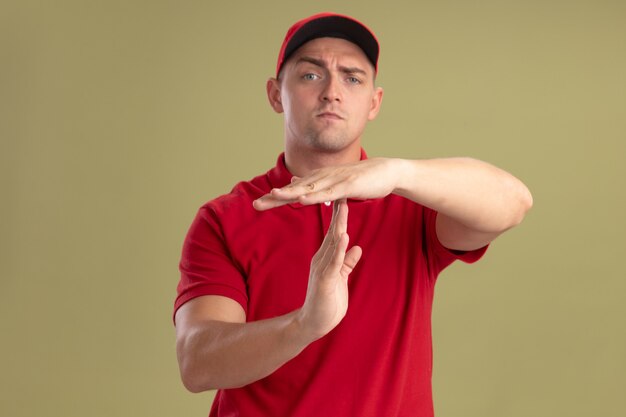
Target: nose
[{"x": 332, "y": 90}]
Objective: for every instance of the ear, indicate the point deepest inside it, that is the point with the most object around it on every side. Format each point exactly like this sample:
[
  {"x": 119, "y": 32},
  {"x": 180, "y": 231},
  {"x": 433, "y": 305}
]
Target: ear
[
  {"x": 273, "y": 94},
  {"x": 377, "y": 100}
]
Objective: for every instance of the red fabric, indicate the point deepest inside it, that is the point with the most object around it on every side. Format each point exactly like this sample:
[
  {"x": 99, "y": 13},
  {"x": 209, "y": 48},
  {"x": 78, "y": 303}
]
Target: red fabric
[{"x": 378, "y": 360}]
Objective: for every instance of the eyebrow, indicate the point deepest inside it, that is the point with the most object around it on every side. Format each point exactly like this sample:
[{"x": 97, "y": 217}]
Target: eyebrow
[{"x": 321, "y": 63}]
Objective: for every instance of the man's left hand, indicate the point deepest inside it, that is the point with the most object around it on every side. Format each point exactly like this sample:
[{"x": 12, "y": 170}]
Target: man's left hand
[{"x": 370, "y": 178}]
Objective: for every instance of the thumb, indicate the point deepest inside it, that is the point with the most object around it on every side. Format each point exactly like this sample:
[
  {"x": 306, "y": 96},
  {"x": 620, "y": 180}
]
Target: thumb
[{"x": 352, "y": 257}]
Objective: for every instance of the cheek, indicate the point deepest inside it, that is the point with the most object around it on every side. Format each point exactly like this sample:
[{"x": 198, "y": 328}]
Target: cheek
[
  {"x": 293, "y": 112},
  {"x": 291, "y": 100},
  {"x": 299, "y": 105},
  {"x": 369, "y": 108},
  {"x": 285, "y": 100},
  {"x": 364, "y": 110}
]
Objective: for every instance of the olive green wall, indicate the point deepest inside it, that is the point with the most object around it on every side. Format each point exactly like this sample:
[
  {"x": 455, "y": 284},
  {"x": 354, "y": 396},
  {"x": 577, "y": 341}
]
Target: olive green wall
[{"x": 118, "y": 119}]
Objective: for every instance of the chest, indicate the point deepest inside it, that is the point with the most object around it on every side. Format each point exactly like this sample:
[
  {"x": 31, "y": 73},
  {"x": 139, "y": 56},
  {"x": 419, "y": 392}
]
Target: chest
[{"x": 274, "y": 252}]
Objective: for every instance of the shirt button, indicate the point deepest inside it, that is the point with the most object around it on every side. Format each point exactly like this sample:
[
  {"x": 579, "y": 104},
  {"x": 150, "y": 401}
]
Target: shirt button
[{"x": 327, "y": 203}]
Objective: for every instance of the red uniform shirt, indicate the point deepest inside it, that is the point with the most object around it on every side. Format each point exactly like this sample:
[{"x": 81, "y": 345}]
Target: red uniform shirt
[{"x": 378, "y": 360}]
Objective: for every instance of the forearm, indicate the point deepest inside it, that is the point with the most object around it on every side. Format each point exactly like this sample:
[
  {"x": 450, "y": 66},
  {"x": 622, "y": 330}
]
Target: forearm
[
  {"x": 216, "y": 354},
  {"x": 476, "y": 194}
]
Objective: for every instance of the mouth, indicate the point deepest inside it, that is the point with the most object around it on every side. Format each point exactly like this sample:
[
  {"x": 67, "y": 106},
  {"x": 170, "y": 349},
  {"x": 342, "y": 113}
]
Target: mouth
[{"x": 328, "y": 115}]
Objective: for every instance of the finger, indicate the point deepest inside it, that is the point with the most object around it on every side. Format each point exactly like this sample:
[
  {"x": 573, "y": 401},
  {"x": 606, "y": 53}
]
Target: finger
[
  {"x": 338, "y": 224},
  {"x": 323, "y": 259},
  {"x": 351, "y": 258},
  {"x": 339, "y": 219},
  {"x": 269, "y": 201},
  {"x": 301, "y": 186},
  {"x": 328, "y": 243},
  {"x": 335, "y": 219},
  {"x": 327, "y": 191},
  {"x": 337, "y": 228},
  {"x": 337, "y": 256},
  {"x": 275, "y": 198},
  {"x": 315, "y": 188},
  {"x": 336, "y": 241},
  {"x": 293, "y": 191}
]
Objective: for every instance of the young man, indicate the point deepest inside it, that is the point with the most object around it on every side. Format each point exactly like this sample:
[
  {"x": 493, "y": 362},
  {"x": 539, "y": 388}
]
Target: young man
[{"x": 283, "y": 312}]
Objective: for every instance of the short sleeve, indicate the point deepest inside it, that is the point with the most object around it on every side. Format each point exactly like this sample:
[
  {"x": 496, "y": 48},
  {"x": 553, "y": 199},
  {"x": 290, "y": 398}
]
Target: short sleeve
[
  {"x": 439, "y": 254},
  {"x": 206, "y": 265}
]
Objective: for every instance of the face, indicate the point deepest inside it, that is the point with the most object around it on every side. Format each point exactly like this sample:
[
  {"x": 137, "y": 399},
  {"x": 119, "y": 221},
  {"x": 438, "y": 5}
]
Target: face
[{"x": 327, "y": 94}]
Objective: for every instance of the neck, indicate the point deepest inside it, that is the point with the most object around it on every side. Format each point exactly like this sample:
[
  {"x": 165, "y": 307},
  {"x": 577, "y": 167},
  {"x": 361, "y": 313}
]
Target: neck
[{"x": 301, "y": 162}]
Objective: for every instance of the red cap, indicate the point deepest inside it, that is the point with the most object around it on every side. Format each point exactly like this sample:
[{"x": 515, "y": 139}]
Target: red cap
[{"x": 329, "y": 25}]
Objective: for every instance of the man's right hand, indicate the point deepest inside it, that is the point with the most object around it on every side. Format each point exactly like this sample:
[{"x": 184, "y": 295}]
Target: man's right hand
[
  {"x": 326, "y": 300},
  {"x": 218, "y": 348}
]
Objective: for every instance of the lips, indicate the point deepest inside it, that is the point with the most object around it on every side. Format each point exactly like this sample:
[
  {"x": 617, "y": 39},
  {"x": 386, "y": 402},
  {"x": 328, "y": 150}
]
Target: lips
[{"x": 330, "y": 115}]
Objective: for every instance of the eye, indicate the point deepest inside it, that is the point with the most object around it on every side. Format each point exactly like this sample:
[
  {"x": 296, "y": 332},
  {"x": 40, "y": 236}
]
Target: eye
[
  {"x": 353, "y": 80},
  {"x": 310, "y": 76}
]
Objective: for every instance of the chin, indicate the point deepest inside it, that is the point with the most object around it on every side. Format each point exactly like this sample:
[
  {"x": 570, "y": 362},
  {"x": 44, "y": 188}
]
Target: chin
[{"x": 329, "y": 143}]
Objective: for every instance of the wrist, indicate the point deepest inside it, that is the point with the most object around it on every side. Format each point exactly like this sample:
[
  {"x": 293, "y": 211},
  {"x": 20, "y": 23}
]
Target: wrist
[
  {"x": 404, "y": 176},
  {"x": 300, "y": 332}
]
